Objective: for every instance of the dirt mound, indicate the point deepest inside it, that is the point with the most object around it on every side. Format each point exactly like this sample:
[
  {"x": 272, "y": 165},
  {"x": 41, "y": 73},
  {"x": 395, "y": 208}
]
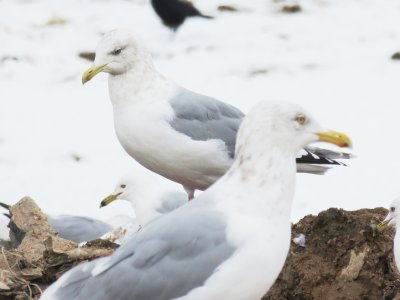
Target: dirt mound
[{"x": 344, "y": 257}]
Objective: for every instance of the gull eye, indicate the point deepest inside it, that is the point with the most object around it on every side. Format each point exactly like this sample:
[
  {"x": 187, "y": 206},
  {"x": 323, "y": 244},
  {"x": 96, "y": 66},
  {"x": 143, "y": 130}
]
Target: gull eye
[
  {"x": 123, "y": 186},
  {"x": 392, "y": 209},
  {"x": 116, "y": 51},
  {"x": 301, "y": 119}
]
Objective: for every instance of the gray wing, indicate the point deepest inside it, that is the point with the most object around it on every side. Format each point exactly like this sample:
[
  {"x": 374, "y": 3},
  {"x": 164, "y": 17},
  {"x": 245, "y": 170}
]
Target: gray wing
[
  {"x": 78, "y": 229},
  {"x": 165, "y": 260},
  {"x": 172, "y": 201},
  {"x": 204, "y": 118}
]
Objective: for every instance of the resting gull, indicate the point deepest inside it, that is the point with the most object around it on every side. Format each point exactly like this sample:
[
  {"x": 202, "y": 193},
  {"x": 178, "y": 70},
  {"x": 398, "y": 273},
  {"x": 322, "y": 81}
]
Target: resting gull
[
  {"x": 75, "y": 228},
  {"x": 393, "y": 219},
  {"x": 186, "y": 137},
  {"x": 148, "y": 194},
  {"x": 230, "y": 242}
]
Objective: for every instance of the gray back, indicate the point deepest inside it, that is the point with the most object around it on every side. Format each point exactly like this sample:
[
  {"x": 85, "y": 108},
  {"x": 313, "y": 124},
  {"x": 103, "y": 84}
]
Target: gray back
[
  {"x": 166, "y": 259},
  {"x": 204, "y": 118},
  {"x": 78, "y": 229}
]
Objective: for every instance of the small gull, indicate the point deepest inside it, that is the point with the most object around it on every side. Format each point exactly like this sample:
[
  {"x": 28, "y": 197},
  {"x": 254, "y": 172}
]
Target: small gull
[
  {"x": 148, "y": 194},
  {"x": 230, "y": 242},
  {"x": 393, "y": 219},
  {"x": 184, "y": 136}
]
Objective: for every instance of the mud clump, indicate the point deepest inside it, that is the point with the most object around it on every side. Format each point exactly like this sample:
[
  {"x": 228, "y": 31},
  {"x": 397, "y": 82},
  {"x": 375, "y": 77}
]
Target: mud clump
[{"x": 344, "y": 257}]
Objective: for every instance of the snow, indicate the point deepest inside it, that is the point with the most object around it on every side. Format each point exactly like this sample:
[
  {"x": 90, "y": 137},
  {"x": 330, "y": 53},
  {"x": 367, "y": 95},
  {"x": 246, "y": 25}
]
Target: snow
[{"x": 333, "y": 58}]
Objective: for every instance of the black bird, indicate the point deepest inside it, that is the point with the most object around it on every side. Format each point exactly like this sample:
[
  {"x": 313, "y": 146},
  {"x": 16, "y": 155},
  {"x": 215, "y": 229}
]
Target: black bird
[{"x": 174, "y": 12}]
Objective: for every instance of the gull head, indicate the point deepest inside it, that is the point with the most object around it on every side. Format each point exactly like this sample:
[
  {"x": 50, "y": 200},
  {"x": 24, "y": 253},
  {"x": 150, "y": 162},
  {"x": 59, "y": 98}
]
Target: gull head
[
  {"x": 392, "y": 216},
  {"x": 124, "y": 189},
  {"x": 117, "y": 52},
  {"x": 286, "y": 126}
]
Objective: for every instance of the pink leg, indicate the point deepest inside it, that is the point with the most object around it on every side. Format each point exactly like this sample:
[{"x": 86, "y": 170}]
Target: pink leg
[{"x": 190, "y": 192}]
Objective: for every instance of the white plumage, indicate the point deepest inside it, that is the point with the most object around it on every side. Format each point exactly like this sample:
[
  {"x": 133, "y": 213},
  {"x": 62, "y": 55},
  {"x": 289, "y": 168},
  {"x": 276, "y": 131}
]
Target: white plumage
[
  {"x": 150, "y": 195},
  {"x": 230, "y": 242},
  {"x": 184, "y": 136},
  {"x": 393, "y": 219}
]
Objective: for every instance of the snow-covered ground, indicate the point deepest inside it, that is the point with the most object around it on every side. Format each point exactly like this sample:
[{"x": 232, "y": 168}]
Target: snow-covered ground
[{"x": 333, "y": 58}]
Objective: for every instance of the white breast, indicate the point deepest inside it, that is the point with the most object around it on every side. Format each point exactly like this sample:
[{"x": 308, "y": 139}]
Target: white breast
[{"x": 144, "y": 132}]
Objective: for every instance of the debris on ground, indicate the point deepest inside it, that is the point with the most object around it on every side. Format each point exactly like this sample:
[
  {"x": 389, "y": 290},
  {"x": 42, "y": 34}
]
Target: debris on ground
[{"x": 36, "y": 256}]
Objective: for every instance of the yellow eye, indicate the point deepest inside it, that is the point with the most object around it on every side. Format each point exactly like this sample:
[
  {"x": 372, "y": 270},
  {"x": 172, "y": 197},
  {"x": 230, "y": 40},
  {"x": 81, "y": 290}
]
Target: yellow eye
[{"x": 301, "y": 119}]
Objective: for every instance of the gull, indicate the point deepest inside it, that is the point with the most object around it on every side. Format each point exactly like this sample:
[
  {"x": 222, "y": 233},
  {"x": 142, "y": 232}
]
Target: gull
[
  {"x": 392, "y": 219},
  {"x": 184, "y": 136},
  {"x": 230, "y": 242},
  {"x": 149, "y": 195}
]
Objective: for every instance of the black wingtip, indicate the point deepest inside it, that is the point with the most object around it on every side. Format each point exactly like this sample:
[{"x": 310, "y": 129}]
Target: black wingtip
[
  {"x": 317, "y": 159},
  {"x": 4, "y": 205}
]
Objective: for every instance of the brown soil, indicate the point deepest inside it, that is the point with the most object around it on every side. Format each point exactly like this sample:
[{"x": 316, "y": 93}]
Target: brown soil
[{"x": 344, "y": 258}]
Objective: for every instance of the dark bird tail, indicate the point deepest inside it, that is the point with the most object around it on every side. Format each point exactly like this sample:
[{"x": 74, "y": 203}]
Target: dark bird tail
[
  {"x": 4, "y": 205},
  {"x": 206, "y": 17}
]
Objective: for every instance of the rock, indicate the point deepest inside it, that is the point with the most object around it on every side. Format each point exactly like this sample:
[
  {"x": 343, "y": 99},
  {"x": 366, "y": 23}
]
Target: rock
[
  {"x": 291, "y": 9},
  {"x": 344, "y": 258},
  {"x": 37, "y": 255},
  {"x": 396, "y": 56}
]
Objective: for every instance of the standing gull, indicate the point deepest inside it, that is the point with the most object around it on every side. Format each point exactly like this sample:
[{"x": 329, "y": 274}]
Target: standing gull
[
  {"x": 148, "y": 195},
  {"x": 186, "y": 137},
  {"x": 393, "y": 219},
  {"x": 229, "y": 243}
]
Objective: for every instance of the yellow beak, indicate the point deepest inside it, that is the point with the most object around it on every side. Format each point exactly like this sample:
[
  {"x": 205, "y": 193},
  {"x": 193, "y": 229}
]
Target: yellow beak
[
  {"x": 91, "y": 72},
  {"x": 382, "y": 225},
  {"x": 335, "y": 137},
  {"x": 109, "y": 199}
]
